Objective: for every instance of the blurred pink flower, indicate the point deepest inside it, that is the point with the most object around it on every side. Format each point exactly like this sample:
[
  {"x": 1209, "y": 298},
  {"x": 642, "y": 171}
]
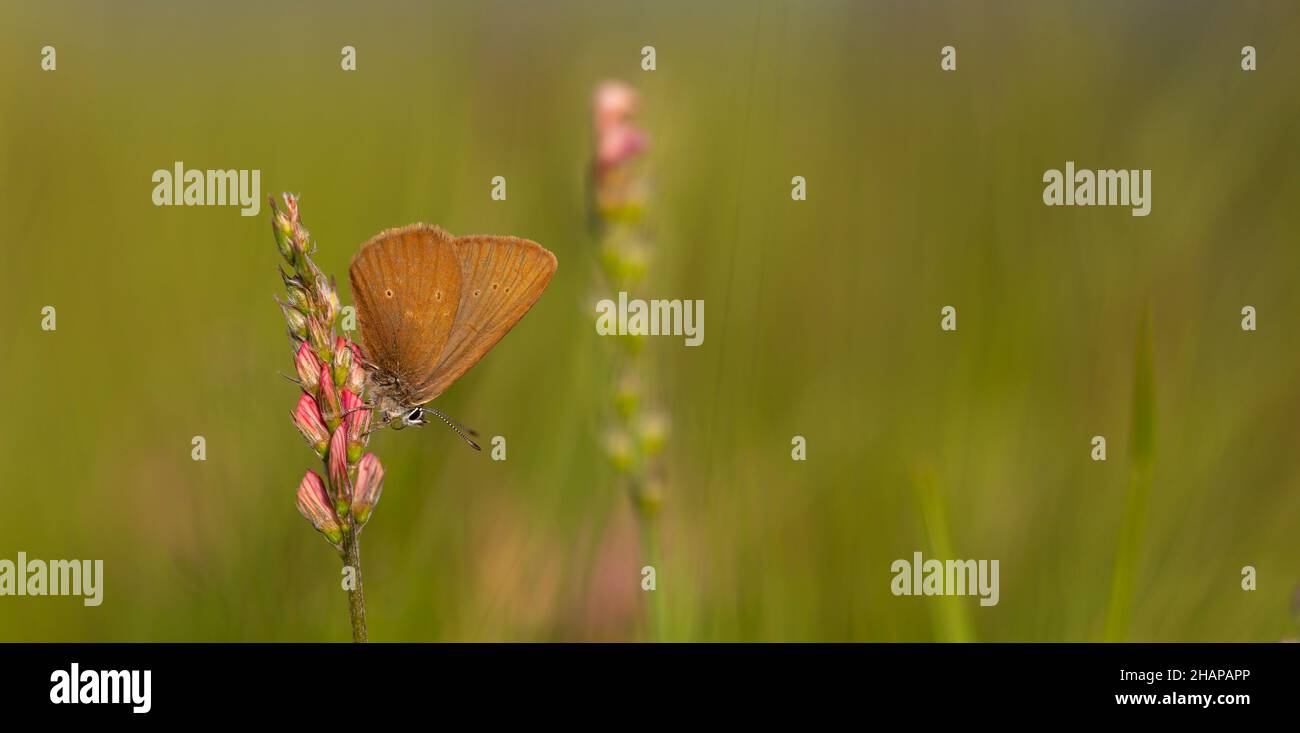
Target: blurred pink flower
[
  {"x": 618, "y": 144},
  {"x": 611, "y": 606},
  {"x": 612, "y": 104}
]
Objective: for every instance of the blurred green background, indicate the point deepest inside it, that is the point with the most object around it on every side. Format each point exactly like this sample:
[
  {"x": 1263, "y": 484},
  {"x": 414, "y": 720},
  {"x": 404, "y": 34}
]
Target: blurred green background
[{"x": 822, "y": 317}]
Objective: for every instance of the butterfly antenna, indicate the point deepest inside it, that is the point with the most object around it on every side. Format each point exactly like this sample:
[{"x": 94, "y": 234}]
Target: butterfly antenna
[
  {"x": 461, "y": 431},
  {"x": 447, "y": 419}
]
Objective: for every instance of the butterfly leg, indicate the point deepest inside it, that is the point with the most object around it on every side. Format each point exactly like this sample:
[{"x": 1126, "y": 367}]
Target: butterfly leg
[
  {"x": 358, "y": 408},
  {"x": 378, "y": 426}
]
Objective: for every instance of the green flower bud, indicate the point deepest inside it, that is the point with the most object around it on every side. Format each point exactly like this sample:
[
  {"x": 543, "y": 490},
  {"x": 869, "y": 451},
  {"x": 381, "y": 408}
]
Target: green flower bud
[
  {"x": 342, "y": 363},
  {"x": 297, "y": 321},
  {"x": 649, "y": 498},
  {"x": 618, "y": 446},
  {"x": 652, "y": 430},
  {"x": 283, "y": 240},
  {"x": 627, "y": 394},
  {"x": 327, "y": 300},
  {"x": 318, "y": 334}
]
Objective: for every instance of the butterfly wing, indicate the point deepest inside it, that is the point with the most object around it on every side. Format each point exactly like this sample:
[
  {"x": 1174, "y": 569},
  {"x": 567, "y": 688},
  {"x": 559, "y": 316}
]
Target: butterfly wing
[
  {"x": 501, "y": 278},
  {"x": 406, "y": 284}
]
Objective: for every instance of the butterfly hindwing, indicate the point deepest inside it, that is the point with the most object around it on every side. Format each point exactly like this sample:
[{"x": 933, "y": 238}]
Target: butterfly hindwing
[{"x": 500, "y": 280}]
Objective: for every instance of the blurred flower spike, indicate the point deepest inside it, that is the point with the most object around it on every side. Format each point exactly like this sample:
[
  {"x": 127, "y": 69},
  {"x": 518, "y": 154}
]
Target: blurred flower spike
[
  {"x": 637, "y": 429},
  {"x": 619, "y": 194}
]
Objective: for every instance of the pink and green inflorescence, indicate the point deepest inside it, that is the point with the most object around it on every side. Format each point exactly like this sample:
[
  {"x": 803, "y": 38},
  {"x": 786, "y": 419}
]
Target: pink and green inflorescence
[{"x": 331, "y": 412}]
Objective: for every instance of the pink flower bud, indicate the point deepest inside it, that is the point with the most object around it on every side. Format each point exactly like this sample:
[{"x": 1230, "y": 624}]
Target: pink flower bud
[
  {"x": 328, "y": 400},
  {"x": 341, "y": 343},
  {"x": 289, "y": 225},
  {"x": 307, "y": 418},
  {"x": 355, "y": 379},
  {"x": 308, "y": 368},
  {"x": 314, "y": 506},
  {"x": 340, "y": 483},
  {"x": 290, "y": 206},
  {"x": 358, "y": 421},
  {"x": 370, "y": 484}
]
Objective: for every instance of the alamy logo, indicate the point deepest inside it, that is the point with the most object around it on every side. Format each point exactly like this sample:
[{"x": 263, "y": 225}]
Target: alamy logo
[
  {"x": 1098, "y": 188},
  {"x": 180, "y": 187},
  {"x": 92, "y": 686},
  {"x": 53, "y": 578},
  {"x": 950, "y": 578},
  {"x": 638, "y": 317}
]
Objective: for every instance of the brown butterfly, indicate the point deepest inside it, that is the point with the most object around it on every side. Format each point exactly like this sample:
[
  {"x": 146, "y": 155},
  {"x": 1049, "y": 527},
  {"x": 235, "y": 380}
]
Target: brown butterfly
[{"x": 430, "y": 305}]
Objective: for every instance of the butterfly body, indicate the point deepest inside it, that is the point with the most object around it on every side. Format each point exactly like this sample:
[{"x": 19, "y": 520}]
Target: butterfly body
[
  {"x": 430, "y": 305},
  {"x": 394, "y": 403}
]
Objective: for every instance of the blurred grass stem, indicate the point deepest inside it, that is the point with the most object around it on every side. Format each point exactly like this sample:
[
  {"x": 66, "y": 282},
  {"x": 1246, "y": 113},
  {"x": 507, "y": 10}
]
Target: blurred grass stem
[{"x": 1141, "y": 460}]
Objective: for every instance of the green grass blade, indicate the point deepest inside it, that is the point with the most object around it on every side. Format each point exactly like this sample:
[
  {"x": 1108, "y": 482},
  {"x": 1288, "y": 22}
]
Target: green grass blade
[
  {"x": 1141, "y": 461},
  {"x": 952, "y": 620}
]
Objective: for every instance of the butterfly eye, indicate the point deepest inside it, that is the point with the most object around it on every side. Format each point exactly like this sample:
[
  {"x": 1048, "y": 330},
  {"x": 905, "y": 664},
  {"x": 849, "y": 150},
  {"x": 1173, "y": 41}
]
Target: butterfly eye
[{"x": 413, "y": 416}]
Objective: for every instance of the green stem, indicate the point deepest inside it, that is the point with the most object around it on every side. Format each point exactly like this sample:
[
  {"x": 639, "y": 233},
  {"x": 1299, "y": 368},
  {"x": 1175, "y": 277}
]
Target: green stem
[
  {"x": 654, "y": 608},
  {"x": 1141, "y": 469},
  {"x": 952, "y": 619},
  {"x": 356, "y": 596},
  {"x": 1124, "y": 579}
]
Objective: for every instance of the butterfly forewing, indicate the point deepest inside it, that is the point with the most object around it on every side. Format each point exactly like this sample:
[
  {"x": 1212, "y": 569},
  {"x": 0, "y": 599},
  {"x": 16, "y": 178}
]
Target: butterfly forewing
[
  {"x": 500, "y": 279},
  {"x": 407, "y": 287}
]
